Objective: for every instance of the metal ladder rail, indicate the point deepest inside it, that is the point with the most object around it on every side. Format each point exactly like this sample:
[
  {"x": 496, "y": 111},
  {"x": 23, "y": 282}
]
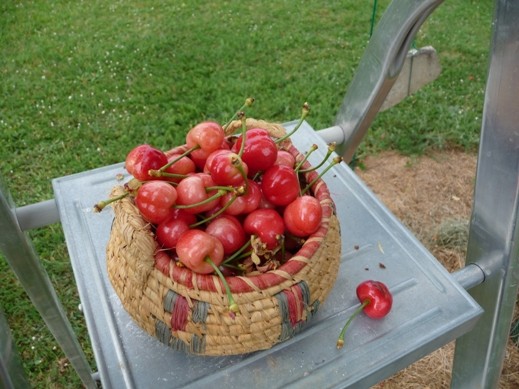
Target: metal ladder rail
[
  {"x": 12, "y": 374},
  {"x": 24, "y": 261},
  {"x": 494, "y": 234}
]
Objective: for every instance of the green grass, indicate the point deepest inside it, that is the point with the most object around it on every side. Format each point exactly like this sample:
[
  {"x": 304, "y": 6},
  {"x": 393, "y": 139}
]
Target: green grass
[{"x": 82, "y": 82}]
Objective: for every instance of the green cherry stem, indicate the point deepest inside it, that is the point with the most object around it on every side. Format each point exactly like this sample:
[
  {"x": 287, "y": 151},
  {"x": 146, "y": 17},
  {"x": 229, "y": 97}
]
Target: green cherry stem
[
  {"x": 238, "y": 164},
  {"x": 331, "y": 149},
  {"x": 233, "y": 307},
  {"x": 220, "y": 211},
  {"x": 304, "y": 114},
  {"x": 334, "y": 162},
  {"x": 102, "y": 204},
  {"x": 243, "y": 119},
  {"x": 248, "y": 102},
  {"x": 222, "y": 187},
  {"x": 160, "y": 172},
  {"x": 340, "y": 339},
  {"x": 218, "y": 194},
  {"x": 238, "y": 253},
  {"x": 307, "y": 155}
]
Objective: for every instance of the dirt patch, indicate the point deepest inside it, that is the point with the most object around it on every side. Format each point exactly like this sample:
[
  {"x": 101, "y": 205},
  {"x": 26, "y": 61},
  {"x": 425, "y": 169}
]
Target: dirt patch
[{"x": 432, "y": 196}]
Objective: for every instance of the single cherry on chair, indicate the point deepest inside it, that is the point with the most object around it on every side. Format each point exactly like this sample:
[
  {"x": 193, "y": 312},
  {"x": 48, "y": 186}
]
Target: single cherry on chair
[{"x": 376, "y": 302}]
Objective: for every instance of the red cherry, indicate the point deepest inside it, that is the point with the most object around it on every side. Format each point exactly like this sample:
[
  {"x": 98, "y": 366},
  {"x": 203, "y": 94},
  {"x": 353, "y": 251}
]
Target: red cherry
[
  {"x": 267, "y": 225},
  {"x": 265, "y": 204},
  {"x": 169, "y": 231},
  {"x": 192, "y": 191},
  {"x": 245, "y": 203},
  {"x": 194, "y": 246},
  {"x": 376, "y": 302},
  {"x": 229, "y": 231},
  {"x": 226, "y": 168},
  {"x": 183, "y": 166},
  {"x": 377, "y": 295},
  {"x": 285, "y": 158},
  {"x": 155, "y": 200},
  {"x": 302, "y": 216},
  {"x": 181, "y": 214},
  {"x": 260, "y": 151},
  {"x": 200, "y": 156},
  {"x": 207, "y": 135},
  {"x": 143, "y": 158},
  {"x": 280, "y": 185}
]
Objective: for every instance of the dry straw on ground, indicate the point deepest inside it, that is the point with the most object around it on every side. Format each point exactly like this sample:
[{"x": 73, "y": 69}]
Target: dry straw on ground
[{"x": 432, "y": 196}]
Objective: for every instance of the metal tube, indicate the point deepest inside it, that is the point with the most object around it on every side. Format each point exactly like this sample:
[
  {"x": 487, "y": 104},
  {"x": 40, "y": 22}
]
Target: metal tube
[
  {"x": 469, "y": 276},
  {"x": 37, "y": 215}
]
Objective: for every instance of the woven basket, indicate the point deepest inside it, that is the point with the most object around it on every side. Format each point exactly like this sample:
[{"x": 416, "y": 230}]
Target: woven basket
[{"x": 189, "y": 311}]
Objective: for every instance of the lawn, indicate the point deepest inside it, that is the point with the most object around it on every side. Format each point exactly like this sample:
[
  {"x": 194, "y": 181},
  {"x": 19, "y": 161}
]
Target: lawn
[{"x": 82, "y": 82}]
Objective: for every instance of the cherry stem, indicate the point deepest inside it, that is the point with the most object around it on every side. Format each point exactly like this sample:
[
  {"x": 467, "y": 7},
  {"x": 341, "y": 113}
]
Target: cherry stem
[
  {"x": 340, "y": 339},
  {"x": 219, "y": 212},
  {"x": 221, "y": 187},
  {"x": 238, "y": 253},
  {"x": 248, "y": 102},
  {"x": 133, "y": 185},
  {"x": 218, "y": 194},
  {"x": 243, "y": 133},
  {"x": 230, "y": 266},
  {"x": 233, "y": 307},
  {"x": 102, "y": 204},
  {"x": 307, "y": 155},
  {"x": 331, "y": 149},
  {"x": 335, "y": 161},
  {"x": 304, "y": 114},
  {"x": 160, "y": 172},
  {"x": 238, "y": 164}
]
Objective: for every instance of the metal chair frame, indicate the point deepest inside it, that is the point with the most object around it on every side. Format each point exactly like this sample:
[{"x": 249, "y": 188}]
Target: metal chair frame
[{"x": 491, "y": 273}]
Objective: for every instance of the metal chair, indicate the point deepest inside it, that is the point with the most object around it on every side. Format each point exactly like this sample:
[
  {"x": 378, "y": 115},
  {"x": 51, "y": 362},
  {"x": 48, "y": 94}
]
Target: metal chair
[{"x": 431, "y": 307}]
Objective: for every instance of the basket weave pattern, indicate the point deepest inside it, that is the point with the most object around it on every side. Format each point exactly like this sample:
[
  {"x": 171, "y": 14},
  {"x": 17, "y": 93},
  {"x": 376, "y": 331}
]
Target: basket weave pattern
[{"x": 189, "y": 311}]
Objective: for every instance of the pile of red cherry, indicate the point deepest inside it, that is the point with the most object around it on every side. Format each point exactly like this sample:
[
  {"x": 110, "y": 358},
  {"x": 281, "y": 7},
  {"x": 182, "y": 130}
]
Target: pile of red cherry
[
  {"x": 233, "y": 205},
  {"x": 236, "y": 204}
]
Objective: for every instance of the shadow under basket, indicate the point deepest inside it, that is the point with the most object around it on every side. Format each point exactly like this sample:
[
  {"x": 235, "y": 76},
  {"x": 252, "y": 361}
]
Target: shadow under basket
[{"x": 190, "y": 312}]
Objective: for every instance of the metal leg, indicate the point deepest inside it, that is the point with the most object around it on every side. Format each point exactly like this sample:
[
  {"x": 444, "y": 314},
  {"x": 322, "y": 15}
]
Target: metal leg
[
  {"x": 11, "y": 370},
  {"x": 494, "y": 233},
  {"x": 24, "y": 261}
]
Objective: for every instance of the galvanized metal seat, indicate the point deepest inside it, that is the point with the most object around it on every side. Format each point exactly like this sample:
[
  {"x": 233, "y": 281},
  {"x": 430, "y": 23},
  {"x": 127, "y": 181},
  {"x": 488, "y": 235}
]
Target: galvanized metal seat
[{"x": 432, "y": 307}]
